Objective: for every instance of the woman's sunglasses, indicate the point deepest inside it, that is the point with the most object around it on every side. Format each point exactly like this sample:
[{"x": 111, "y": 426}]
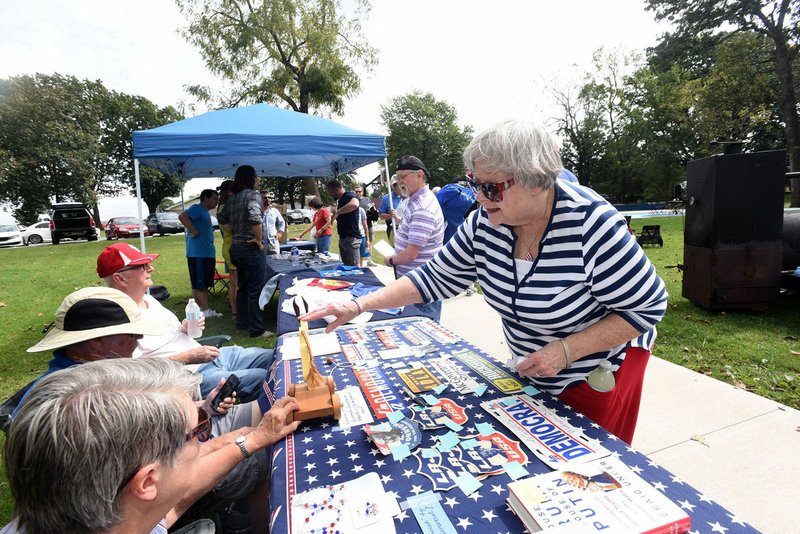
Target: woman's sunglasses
[
  {"x": 203, "y": 429},
  {"x": 493, "y": 192}
]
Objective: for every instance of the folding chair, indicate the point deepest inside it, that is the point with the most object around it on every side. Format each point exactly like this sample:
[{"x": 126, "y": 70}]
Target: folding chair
[
  {"x": 220, "y": 280},
  {"x": 651, "y": 235}
]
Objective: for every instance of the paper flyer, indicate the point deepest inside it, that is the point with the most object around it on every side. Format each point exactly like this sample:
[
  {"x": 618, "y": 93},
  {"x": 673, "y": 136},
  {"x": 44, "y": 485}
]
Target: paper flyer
[{"x": 355, "y": 410}]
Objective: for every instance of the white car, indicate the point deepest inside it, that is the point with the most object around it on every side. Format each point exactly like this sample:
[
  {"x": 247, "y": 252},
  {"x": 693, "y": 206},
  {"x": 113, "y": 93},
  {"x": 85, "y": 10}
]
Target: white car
[
  {"x": 37, "y": 233},
  {"x": 10, "y": 236},
  {"x": 299, "y": 216}
]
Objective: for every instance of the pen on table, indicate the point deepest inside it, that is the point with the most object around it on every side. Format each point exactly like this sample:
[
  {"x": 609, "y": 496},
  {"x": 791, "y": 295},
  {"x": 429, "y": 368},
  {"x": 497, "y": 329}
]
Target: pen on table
[{"x": 414, "y": 398}]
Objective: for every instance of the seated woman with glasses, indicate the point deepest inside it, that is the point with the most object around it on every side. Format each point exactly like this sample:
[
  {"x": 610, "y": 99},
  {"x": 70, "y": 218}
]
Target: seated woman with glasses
[
  {"x": 558, "y": 264},
  {"x": 115, "y": 446}
]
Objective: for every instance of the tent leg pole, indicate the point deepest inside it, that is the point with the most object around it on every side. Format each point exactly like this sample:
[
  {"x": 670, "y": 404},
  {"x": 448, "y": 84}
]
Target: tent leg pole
[
  {"x": 389, "y": 192},
  {"x": 139, "y": 203}
]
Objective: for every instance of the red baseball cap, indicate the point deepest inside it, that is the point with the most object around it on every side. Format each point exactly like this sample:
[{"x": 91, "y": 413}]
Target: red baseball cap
[{"x": 120, "y": 255}]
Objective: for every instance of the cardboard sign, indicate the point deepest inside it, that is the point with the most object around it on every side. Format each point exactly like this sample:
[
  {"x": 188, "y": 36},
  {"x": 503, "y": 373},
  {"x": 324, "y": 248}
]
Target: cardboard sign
[
  {"x": 489, "y": 371},
  {"x": 551, "y": 438},
  {"x": 419, "y": 380}
]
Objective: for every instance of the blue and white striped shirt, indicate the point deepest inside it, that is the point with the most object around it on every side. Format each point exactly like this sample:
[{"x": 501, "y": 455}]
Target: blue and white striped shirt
[{"x": 588, "y": 266}]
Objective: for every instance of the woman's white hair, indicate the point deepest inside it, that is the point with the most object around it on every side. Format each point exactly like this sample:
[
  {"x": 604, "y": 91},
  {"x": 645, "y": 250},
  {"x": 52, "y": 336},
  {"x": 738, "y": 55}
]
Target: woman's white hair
[{"x": 520, "y": 148}]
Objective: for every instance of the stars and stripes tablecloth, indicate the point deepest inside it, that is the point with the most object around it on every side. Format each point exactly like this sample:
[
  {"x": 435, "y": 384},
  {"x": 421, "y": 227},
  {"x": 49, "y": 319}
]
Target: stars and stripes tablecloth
[{"x": 322, "y": 453}]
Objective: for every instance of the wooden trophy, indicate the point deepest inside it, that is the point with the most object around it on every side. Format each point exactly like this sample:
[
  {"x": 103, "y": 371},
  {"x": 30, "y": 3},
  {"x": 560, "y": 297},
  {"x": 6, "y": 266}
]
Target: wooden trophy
[{"x": 316, "y": 397}]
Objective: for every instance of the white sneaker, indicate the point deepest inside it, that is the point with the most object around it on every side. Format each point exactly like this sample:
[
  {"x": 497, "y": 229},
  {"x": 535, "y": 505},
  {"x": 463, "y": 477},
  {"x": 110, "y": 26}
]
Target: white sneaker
[
  {"x": 371, "y": 263},
  {"x": 471, "y": 290},
  {"x": 211, "y": 313}
]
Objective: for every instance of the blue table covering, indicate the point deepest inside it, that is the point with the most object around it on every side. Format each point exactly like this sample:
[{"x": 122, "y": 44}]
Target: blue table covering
[
  {"x": 320, "y": 452},
  {"x": 300, "y": 244},
  {"x": 282, "y": 263},
  {"x": 288, "y": 323}
]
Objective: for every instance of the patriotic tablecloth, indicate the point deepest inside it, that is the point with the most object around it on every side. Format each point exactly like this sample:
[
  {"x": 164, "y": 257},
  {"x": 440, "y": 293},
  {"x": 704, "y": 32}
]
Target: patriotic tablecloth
[{"x": 321, "y": 453}]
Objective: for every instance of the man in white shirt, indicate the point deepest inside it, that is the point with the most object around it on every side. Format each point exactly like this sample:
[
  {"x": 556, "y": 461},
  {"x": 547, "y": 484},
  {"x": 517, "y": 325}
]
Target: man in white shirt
[
  {"x": 273, "y": 226},
  {"x": 126, "y": 269}
]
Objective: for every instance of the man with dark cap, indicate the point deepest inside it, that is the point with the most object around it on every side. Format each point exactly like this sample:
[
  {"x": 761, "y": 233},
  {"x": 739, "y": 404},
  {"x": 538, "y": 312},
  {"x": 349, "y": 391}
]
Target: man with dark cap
[{"x": 420, "y": 234}]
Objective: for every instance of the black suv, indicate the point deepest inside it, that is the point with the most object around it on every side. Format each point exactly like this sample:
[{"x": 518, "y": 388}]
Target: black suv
[{"x": 71, "y": 221}]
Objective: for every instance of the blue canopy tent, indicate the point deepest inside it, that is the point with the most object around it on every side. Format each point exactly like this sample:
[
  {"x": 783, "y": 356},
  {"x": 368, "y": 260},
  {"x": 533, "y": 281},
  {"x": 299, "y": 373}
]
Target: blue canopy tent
[{"x": 275, "y": 141}]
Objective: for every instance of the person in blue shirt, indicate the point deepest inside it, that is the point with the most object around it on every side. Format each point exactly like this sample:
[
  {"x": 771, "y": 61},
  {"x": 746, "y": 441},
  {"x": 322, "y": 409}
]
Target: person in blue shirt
[
  {"x": 200, "y": 252},
  {"x": 385, "y": 211}
]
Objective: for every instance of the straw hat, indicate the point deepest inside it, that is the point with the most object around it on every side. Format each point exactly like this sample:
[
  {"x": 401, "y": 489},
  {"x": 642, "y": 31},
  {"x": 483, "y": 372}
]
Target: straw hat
[{"x": 94, "y": 312}]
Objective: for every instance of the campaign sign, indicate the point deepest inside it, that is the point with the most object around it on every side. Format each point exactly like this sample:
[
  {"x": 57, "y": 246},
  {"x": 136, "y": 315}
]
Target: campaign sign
[
  {"x": 351, "y": 353},
  {"x": 403, "y": 432},
  {"x": 419, "y": 380},
  {"x": 489, "y": 371},
  {"x": 355, "y": 335},
  {"x": 413, "y": 336},
  {"x": 441, "y": 476},
  {"x": 386, "y": 338},
  {"x": 380, "y": 394},
  {"x": 454, "y": 374},
  {"x": 493, "y": 452},
  {"x": 433, "y": 417},
  {"x": 552, "y": 439},
  {"x": 437, "y": 332}
]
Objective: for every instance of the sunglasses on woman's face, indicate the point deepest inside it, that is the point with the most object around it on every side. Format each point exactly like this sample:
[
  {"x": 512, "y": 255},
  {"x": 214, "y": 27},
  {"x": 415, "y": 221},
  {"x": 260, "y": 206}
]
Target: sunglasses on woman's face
[
  {"x": 203, "y": 429},
  {"x": 492, "y": 191}
]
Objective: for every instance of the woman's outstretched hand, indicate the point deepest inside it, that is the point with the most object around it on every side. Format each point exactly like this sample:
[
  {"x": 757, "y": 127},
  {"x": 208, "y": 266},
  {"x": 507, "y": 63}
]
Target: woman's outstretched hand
[{"x": 342, "y": 311}]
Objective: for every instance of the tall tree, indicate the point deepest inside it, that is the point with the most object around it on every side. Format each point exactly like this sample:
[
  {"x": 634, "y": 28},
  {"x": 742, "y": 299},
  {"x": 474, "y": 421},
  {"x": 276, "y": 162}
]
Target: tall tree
[
  {"x": 582, "y": 126},
  {"x": 776, "y": 19},
  {"x": 128, "y": 113},
  {"x": 303, "y": 53},
  {"x": 422, "y": 126},
  {"x": 66, "y": 139},
  {"x": 50, "y": 133}
]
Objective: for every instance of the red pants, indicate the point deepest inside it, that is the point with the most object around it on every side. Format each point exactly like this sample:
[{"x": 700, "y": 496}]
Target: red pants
[{"x": 617, "y": 410}]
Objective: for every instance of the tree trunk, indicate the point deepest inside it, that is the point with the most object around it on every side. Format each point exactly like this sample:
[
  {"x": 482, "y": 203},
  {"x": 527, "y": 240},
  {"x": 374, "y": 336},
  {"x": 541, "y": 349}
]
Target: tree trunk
[
  {"x": 310, "y": 187},
  {"x": 96, "y": 215},
  {"x": 789, "y": 103}
]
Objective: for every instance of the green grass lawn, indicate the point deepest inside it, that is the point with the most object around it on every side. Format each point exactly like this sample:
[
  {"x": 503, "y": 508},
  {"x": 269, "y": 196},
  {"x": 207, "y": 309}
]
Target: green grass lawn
[
  {"x": 757, "y": 351},
  {"x": 753, "y": 350}
]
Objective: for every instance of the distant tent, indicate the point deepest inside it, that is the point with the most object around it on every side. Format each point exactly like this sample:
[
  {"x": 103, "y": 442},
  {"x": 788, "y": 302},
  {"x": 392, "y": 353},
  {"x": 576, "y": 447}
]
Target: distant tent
[{"x": 275, "y": 141}]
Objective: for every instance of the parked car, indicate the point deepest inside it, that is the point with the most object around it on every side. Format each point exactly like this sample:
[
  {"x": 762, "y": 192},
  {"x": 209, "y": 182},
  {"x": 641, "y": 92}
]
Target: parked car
[
  {"x": 71, "y": 221},
  {"x": 165, "y": 222},
  {"x": 10, "y": 236},
  {"x": 124, "y": 227},
  {"x": 299, "y": 216},
  {"x": 37, "y": 233}
]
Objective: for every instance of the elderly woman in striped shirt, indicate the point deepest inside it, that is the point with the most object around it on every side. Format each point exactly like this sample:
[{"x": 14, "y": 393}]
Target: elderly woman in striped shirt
[{"x": 558, "y": 264}]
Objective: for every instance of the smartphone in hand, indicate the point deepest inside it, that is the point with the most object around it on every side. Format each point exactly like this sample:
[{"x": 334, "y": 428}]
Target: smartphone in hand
[{"x": 227, "y": 390}]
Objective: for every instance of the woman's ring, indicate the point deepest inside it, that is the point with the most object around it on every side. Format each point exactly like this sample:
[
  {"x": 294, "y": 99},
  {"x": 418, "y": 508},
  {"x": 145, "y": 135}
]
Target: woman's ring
[{"x": 536, "y": 375}]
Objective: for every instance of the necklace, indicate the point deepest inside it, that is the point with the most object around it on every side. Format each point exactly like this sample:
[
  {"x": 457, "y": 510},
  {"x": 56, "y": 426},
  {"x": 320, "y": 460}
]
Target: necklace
[{"x": 539, "y": 234}]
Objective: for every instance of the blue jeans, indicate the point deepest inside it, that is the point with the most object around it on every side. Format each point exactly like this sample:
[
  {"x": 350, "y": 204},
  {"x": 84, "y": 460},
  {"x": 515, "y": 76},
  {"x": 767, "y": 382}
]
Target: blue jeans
[
  {"x": 249, "y": 364},
  {"x": 324, "y": 243},
  {"x": 251, "y": 265},
  {"x": 432, "y": 310}
]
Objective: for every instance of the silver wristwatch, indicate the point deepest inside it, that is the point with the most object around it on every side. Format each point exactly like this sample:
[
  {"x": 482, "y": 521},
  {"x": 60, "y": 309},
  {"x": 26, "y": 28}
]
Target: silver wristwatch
[{"x": 242, "y": 447}]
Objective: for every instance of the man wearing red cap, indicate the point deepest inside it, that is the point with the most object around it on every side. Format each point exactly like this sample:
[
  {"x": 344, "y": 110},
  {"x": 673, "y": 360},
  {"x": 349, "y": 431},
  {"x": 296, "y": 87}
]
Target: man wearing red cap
[{"x": 127, "y": 269}]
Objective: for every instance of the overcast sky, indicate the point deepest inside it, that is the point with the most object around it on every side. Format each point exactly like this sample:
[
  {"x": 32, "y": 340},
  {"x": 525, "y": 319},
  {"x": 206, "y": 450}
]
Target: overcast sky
[{"x": 490, "y": 59}]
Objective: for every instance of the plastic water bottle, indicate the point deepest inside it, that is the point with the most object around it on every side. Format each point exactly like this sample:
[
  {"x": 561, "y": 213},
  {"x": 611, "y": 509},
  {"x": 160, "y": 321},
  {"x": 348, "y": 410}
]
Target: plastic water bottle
[
  {"x": 295, "y": 256},
  {"x": 602, "y": 379},
  {"x": 193, "y": 316}
]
